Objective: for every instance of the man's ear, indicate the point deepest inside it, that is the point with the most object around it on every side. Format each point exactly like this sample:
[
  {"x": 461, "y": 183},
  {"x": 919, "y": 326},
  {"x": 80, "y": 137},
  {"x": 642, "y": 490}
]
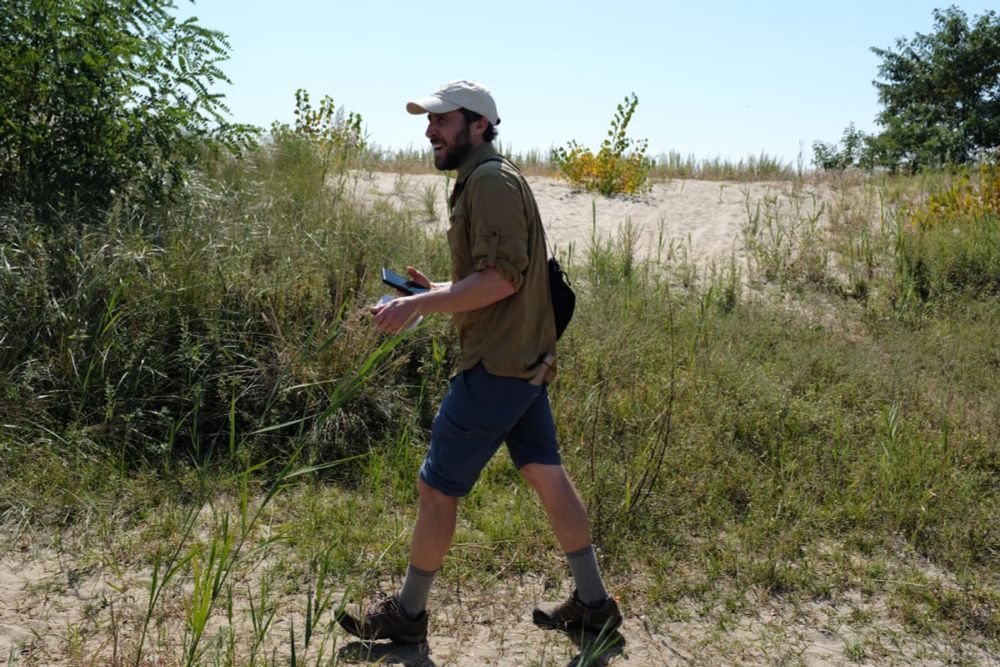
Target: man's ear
[{"x": 480, "y": 125}]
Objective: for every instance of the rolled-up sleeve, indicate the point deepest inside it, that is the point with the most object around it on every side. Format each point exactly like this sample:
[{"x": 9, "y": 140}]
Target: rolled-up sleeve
[{"x": 499, "y": 228}]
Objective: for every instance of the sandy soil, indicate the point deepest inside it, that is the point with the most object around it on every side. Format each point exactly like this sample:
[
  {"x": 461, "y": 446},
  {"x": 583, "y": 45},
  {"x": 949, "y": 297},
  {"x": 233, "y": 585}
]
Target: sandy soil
[
  {"x": 56, "y": 610},
  {"x": 705, "y": 218}
]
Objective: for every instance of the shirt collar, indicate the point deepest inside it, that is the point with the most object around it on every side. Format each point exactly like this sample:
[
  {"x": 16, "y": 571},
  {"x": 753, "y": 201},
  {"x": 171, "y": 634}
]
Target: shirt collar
[{"x": 473, "y": 159}]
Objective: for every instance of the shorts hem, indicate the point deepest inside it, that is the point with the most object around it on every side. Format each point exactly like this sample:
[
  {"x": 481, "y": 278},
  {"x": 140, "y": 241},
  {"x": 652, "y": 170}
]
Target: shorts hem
[
  {"x": 545, "y": 461},
  {"x": 439, "y": 485}
]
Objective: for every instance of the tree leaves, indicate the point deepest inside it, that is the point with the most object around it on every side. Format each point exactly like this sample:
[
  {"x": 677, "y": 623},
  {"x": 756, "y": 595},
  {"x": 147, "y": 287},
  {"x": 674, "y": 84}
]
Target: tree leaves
[
  {"x": 106, "y": 97},
  {"x": 940, "y": 96},
  {"x": 939, "y": 92}
]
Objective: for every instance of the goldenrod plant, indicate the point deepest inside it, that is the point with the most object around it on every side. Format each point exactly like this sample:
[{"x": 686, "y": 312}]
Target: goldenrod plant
[
  {"x": 966, "y": 200},
  {"x": 333, "y": 134},
  {"x": 619, "y": 167},
  {"x": 328, "y": 126}
]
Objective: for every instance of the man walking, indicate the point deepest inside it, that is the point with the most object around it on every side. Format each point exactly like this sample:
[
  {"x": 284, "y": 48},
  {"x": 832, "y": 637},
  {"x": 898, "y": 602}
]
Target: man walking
[{"x": 499, "y": 299}]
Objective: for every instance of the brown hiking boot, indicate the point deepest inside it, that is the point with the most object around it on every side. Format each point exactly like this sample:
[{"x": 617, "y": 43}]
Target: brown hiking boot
[
  {"x": 386, "y": 620},
  {"x": 574, "y": 614}
]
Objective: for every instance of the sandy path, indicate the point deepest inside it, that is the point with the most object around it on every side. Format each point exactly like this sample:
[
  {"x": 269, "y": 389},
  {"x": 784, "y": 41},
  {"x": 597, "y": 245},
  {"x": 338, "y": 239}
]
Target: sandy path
[{"x": 57, "y": 612}]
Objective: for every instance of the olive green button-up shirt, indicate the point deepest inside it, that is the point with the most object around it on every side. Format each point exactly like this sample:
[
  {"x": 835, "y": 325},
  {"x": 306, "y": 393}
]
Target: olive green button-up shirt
[{"x": 495, "y": 223}]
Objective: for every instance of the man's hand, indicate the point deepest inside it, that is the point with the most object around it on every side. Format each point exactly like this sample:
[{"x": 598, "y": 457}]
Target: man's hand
[
  {"x": 420, "y": 279},
  {"x": 396, "y": 314},
  {"x": 542, "y": 369},
  {"x": 473, "y": 292}
]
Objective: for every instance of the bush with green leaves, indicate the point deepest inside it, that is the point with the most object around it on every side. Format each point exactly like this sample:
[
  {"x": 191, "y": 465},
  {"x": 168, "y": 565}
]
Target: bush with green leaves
[
  {"x": 153, "y": 334},
  {"x": 337, "y": 132},
  {"x": 855, "y": 150},
  {"x": 330, "y": 137},
  {"x": 620, "y": 166},
  {"x": 101, "y": 98}
]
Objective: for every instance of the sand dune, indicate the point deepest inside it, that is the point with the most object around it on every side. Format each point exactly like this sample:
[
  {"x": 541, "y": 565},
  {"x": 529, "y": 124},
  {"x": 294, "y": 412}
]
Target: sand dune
[{"x": 705, "y": 217}]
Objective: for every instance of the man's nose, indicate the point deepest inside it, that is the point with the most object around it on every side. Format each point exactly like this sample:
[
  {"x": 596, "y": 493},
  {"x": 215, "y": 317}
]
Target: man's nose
[{"x": 430, "y": 131}]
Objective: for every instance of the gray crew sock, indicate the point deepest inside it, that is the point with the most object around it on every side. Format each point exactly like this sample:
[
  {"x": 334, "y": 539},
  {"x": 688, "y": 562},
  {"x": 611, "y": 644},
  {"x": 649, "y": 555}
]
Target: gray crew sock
[
  {"x": 416, "y": 588},
  {"x": 587, "y": 575}
]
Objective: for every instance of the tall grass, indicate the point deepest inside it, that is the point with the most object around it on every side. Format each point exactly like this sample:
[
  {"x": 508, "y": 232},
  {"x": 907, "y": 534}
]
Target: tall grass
[
  {"x": 413, "y": 160},
  {"x": 763, "y": 167},
  {"x": 784, "y": 425},
  {"x": 950, "y": 244},
  {"x": 668, "y": 165}
]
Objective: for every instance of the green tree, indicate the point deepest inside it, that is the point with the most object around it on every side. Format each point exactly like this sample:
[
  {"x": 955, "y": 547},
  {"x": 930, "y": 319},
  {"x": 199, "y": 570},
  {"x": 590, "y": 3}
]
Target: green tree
[
  {"x": 104, "y": 97},
  {"x": 855, "y": 150},
  {"x": 940, "y": 96},
  {"x": 941, "y": 92}
]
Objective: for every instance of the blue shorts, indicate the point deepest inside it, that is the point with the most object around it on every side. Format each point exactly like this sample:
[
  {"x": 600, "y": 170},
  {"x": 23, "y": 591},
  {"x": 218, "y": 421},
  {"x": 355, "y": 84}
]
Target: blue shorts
[{"x": 480, "y": 412}]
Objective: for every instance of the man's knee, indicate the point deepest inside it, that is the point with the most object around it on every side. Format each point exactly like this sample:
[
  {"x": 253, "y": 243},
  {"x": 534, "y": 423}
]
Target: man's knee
[
  {"x": 542, "y": 477},
  {"x": 432, "y": 499}
]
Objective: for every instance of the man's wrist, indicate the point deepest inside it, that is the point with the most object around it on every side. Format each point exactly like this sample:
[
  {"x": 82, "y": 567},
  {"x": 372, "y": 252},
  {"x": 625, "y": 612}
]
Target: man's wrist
[{"x": 420, "y": 300}]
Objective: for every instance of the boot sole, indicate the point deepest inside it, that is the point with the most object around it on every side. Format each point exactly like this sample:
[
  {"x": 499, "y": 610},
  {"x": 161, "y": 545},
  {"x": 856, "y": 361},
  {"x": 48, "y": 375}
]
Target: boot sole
[
  {"x": 352, "y": 626},
  {"x": 544, "y": 620}
]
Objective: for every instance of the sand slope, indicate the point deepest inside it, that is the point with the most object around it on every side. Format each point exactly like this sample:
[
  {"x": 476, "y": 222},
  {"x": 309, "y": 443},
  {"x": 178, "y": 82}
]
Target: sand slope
[{"x": 704, "y": 218}]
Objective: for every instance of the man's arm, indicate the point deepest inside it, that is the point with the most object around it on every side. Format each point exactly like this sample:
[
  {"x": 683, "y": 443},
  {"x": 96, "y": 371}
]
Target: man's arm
[{"x": 473, "y": 292}]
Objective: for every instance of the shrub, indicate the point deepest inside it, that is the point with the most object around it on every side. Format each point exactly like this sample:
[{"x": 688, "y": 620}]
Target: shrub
[
  {"x": 855, "y": 150},
  {"x": 964, "y": 202},
  {"x": 620, "y": 166},
  {"x": 336, "y": 132},
  {"x": 952, "y": 242},
  {"x": 104, "y": 96},
  {"x": 321, "y": 140},
  {"x": 158, "y": 332}
]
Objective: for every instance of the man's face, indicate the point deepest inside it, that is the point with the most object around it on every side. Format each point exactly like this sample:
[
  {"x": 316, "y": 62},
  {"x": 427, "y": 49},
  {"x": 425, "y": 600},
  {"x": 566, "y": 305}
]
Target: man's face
[{"x": 451, "y": 138}]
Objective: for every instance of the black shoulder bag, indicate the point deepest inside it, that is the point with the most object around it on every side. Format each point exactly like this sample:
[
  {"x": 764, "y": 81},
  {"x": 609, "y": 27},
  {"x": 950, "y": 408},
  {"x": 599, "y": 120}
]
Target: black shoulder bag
[{"x": 563, "y": 297}]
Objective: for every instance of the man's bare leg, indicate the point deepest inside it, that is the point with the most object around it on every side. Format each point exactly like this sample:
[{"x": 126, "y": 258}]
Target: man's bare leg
[
  {"x": 432, "y": 536},
  {"x": 562, "y": 504},
  {"x": 434, "y": 529},
  {"x": 572, "y": 528}
]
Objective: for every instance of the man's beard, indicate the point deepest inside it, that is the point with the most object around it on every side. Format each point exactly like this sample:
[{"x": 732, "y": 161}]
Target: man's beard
[{"x": 457, "y": 152}]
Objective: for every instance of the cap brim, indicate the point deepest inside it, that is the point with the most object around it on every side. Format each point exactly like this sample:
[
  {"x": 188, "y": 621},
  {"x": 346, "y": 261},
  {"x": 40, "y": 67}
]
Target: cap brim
[{"x": 430, "y": 105}]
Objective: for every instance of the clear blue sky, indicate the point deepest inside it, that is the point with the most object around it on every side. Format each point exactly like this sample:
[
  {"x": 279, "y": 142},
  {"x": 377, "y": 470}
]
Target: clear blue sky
[{"x": 713, "y": 78}]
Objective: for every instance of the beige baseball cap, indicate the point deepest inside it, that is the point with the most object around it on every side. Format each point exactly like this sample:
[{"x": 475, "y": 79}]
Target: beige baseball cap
[{"x": 458, "y": 95}]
